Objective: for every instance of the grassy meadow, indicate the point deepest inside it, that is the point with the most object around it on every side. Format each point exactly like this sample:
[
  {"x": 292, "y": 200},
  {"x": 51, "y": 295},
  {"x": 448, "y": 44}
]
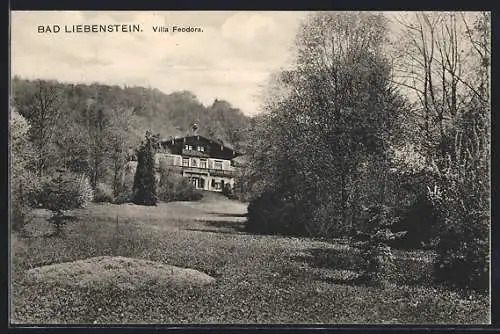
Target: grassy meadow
[{"x": 258, "y": 279}]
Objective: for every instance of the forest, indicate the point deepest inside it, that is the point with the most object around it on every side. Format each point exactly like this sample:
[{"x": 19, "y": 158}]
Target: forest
[
  {"x": 92, "y": 129},
  {"x": 381, "y": 130}
]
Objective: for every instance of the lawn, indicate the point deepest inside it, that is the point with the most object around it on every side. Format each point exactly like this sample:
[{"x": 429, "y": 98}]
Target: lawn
[{"x": 258, "y": 279}]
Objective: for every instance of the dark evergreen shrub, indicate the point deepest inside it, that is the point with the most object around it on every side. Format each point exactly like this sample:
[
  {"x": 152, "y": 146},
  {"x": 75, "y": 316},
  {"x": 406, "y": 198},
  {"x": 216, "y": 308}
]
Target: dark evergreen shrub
[
  {"x": 64, "y": 192},
  {"x": 375, "y": 247},
  {"x": 463, "y": 248},
  {"x": 420, "y": 222},
  {"x": 463, "y": 253},
  {"x": 144, "y": 192}
]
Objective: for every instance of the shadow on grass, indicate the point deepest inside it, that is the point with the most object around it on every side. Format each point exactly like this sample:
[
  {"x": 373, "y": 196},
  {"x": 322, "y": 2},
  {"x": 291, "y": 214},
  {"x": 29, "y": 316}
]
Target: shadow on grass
[
  {"x": 213, "y": 231},
  {"x": 345, "y": 266},
  {"x": 326, "y": 258},
  {"x": 237, "y": 226},
  {"x": 225, "y": 214},
  {"x": 220, "y": 226}
]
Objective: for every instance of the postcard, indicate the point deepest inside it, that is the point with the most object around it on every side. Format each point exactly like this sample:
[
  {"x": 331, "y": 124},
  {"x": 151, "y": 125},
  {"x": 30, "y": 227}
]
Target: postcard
[{"x": 315, "y": 168}]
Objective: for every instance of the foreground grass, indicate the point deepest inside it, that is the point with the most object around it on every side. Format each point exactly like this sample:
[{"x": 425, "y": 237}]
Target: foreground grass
[{"x": 259, "y": 279}]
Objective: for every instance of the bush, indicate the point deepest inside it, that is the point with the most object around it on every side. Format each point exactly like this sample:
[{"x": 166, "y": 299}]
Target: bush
[
  {"x": 174, "y": 187},
  {"x": 228, "y": 191},
  {"x": 28, "y": 187},
  {"x": 326, "y": 221},
  {"x": 379, "y": 263},
  {"x": 420, "y": 222},
  {"x": 273, "y": 213},
  {"x": 124, "y": 191},
  {"x": 463, "y": 250},
  {"x": 19, "y": 213},
  {"x": 103, "y": 193},
  {"x": 64, "y": 192},
  {"x": 123, "y": 196},
  {"x": 463, "y": 253},
  {"x": 376, "y": 250}
]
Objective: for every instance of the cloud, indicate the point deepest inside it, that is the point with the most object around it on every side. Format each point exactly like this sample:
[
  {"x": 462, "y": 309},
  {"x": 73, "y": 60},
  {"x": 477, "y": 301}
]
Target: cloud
[
  {"x": 230, "y": 59},
  {"x": 248, "y": 27}
]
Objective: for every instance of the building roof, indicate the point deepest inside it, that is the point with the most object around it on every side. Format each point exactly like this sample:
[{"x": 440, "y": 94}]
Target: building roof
[{"x": 225, "y": 147}]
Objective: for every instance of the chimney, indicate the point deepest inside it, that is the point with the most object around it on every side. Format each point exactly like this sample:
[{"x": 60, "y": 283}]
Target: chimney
[{"x": 194, "y": 128}]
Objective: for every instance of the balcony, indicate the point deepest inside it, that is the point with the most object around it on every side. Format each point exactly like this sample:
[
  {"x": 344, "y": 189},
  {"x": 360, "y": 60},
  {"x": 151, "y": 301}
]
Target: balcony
[
  {"x": 206, "y": 171},
  {"x": 221, "y": 172}
]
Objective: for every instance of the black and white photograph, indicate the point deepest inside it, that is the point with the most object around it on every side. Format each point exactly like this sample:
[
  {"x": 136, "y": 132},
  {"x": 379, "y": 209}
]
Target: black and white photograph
[{"x": 249, "y": 168}]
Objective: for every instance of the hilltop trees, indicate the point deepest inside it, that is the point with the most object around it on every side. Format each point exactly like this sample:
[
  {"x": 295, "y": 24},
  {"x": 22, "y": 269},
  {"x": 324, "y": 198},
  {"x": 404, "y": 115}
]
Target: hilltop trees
[{"x": 88, "y": 129}]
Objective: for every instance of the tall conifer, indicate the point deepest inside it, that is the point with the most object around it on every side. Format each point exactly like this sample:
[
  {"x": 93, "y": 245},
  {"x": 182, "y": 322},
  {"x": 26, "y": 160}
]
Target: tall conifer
[{"x": 144, "y": 180}]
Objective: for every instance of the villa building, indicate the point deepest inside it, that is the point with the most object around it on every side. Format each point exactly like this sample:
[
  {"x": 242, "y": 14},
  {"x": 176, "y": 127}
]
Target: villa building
[{"x": 207, "y": 163}]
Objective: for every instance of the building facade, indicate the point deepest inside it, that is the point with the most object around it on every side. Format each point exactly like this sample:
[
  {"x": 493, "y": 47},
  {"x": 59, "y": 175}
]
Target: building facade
[{"x": 207, "y": 163}]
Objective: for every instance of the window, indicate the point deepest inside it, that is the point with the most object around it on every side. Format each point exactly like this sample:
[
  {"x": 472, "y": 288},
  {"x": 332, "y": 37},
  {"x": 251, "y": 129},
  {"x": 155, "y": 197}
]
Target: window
[
  {"x": 185, "y": 162},
  {"x": 203, "y": 164},
  {"x": 201, "y": 148},
  {"x": 194, "y": 163},
  {"x": 186, "y": 147},
  {"x": 218, "y": 165}
]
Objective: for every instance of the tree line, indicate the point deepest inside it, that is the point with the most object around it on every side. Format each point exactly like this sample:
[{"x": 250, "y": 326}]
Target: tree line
[
  {"x": 381, "y": 113},
  {"x": 70, "y": 143},
  {"x": 91, "y": 129}
]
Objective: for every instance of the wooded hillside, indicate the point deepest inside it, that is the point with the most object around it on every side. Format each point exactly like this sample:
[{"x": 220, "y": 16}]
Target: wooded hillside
[
  {"x": 91, "y": 129},
  {"x": 166, "y": 114}
]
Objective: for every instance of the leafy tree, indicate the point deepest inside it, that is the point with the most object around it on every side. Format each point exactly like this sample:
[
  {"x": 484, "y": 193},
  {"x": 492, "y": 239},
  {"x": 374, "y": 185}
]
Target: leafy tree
[
  {"x": 63, "y": 192},
  {"x": 145, "y": 180},
  {"x": 329, "y": 119},
  {"x": 19, "y": 128},
  {"x": 40, "y": 105},
  {"x": 120, "y": 138},
  {"x": 92, "y": 126},
  {"x": 450, "y": 57}
]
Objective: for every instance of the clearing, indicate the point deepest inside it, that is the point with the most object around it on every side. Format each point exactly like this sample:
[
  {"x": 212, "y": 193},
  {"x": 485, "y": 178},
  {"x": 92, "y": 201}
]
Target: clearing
[{"x": 258, "y": 279}]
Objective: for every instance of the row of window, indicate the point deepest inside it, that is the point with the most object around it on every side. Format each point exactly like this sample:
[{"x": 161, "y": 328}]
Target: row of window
[
  {"x": 192, "y": 148},
  {"x": 200, "y": 183},
  {"x": 186, "y": 162}
]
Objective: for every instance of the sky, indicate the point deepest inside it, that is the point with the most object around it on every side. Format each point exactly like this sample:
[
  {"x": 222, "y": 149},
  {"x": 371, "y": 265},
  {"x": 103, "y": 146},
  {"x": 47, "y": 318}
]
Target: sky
[{"x": 232, "y": 59}]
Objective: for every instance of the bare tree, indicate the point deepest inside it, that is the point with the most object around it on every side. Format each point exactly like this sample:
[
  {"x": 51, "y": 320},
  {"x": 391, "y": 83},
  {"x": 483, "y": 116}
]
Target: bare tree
[
  {"x": 435, "y": 57},
  {"x": 42, "y": 110},
  {"x": 329, "y": 115}
]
